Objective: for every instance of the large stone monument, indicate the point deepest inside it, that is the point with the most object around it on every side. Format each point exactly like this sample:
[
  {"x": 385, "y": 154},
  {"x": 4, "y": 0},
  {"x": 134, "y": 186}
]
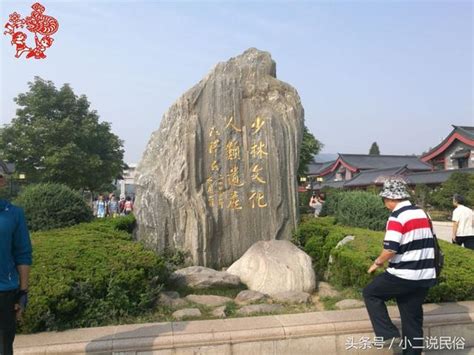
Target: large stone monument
[{"x": 220, "y": 173}]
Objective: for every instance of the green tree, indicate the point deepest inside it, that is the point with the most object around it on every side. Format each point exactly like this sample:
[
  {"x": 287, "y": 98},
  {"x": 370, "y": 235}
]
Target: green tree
[
  {"x": 374, "y": 149},
  {"x": 458, "y": 183},
  {"x": 56, "y": 137},
  {"x": 310, "y": 147}
]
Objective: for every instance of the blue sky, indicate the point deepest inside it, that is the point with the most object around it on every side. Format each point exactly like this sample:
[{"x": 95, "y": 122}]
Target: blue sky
[{"x": 396, "y": 72}]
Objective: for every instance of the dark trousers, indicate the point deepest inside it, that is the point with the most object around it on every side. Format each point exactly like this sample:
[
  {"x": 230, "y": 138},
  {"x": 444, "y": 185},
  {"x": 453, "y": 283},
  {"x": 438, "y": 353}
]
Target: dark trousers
[
  {"x": 467, "y": 241},
  {"x": 7, "y": 322},
  {"x": 409, "y": 299}
]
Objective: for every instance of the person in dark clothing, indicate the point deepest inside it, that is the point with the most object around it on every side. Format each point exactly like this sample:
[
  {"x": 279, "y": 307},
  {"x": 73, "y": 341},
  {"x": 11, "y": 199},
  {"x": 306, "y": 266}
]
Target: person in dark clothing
[
  {"x": 15, "y": 261},
  {"x": 409, "y": 248}
]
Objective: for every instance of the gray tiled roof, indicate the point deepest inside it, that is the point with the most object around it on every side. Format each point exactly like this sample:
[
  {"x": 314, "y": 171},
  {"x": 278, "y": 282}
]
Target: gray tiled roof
[
  {"x": 375, "y": 176},
  {"x": 466, "y": 131},
  {"x": 434, "y": 177},
  {"x": 366, "y": 162},
  {"x": 335, "y": 184},
  {"x": 316, "y": 168},
  {"x": 6, "y": 168}
]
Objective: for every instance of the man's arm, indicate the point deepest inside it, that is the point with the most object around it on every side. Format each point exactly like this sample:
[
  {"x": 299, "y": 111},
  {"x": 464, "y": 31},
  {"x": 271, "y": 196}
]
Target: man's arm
[
  {"x": 21, "y": 251},
  {"x": 455, "y": 230},
  {"x": 24, "y": 272},
  {"x": 384, "y": 256}
]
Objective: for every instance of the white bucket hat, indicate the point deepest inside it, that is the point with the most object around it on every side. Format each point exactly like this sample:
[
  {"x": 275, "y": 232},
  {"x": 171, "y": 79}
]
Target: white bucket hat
[{"x": 395, "y": 189}]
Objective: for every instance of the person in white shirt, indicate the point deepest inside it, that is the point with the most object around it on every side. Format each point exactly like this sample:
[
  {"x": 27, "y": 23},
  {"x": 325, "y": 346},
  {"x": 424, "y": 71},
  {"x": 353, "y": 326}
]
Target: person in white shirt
[{"x": 462, "y": 226}]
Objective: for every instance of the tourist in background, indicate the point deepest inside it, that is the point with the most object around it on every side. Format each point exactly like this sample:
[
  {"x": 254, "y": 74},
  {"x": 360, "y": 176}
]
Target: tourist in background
[
  {"x": 462, "y": 223},
  {"x": 316, "y": 202},
  {"x": 409, "y": 248},
  {"x": 101, "y": 207},
  {"x": 128, "y": 206},
  {"x": 113, "y": 206},
  {"x": 15, "y": 261},
  {"x": 94, "y": 207}
]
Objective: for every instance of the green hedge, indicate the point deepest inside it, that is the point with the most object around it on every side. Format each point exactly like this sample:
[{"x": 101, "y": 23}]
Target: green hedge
[
  {"x": 303, "y": 199},
  {"x": 49, "y": 206},
  {"x": 91, "y": 274},
  {"x": 362, "y": 209},
  {"x": 333, "y": 197},
  {"x": 350, "y": 262}
]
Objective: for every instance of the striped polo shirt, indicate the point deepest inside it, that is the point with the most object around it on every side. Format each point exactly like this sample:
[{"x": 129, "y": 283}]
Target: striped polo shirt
[{"x": 408, "y": 233}]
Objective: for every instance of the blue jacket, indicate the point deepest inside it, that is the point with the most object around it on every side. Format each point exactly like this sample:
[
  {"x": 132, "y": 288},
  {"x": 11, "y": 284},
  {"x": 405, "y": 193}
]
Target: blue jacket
[{"x": 15, "y": 245}]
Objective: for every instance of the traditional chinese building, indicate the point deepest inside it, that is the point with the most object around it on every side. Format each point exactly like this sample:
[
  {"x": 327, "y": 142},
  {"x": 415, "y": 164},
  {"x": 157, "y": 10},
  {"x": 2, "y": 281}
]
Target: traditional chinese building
[
  {"x": 6, "y": 168},
  {"x": 456, "y": 151},
  {"x": 347, "y": 166}
]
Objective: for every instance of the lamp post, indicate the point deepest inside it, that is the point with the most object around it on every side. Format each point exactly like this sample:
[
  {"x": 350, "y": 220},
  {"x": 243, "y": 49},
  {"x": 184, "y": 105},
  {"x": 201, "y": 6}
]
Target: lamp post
[
  {"x": 319, "y": 179},
  {"x": 21, "y": 179}
]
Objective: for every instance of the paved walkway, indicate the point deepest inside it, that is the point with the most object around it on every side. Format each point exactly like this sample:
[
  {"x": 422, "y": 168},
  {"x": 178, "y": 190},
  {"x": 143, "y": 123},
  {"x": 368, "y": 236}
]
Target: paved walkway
[
  {"x": 443, "y": 230},
  {"x": 326, "y": 332}
]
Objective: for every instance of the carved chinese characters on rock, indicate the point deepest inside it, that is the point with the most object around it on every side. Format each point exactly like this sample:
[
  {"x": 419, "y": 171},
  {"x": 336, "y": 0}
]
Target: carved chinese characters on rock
[
  {"x": 258, "y": 156},
  {"x": 232, "y": 169},
  {"x": 40, "y": 25}
]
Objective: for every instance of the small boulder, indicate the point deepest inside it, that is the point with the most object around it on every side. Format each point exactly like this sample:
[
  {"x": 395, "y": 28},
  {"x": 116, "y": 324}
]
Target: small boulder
[
  {"x": 171, "y": 299},
  {"x": 248, "y": 296},
  {"x": 187, "y": 313},
  {"x": 275, "y": 266},
  {"x": 208, "y": 300},
  {"x": 326, "y": 290},
  {"x": 202, "y": 277},
  {"x": 292, "y": 297},
  {"x": 349, "y": 303},
  {"x": 259, "y": 308},
  {"x": 219, "y": 312}
]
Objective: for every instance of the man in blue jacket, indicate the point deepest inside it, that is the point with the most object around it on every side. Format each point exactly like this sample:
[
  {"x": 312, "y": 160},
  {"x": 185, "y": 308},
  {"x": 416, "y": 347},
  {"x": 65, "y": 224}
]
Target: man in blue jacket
[{"x": 15, "y": 261}]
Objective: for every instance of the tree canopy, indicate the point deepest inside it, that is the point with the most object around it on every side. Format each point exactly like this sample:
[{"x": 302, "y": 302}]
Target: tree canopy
[
  {"x": 374, "y": 149},
  {"x": 310, "y": 147},
  {"x": 458, "y": 183},
  {"x": 56, "y": 137}
]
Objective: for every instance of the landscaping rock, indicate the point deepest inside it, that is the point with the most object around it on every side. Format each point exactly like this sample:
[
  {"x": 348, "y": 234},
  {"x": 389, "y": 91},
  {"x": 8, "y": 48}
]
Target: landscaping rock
[
  {"x": 219, "y": 312},
  {"x": 259, "y": 308},
  {"x": 249, "y": 296},
  {"x": 292, "y": 297},
  {"x": 202, "y": 277},
  {"x": 326, "y": 290},
  {"x": 239, "y": 117},
  {"x": 275, "y": 266},
  {"x": 187, "y": 313},
  {"x": 171, "y": 299},
  {"x": 349, "y": 303},
  {"x": 208, "y": 300}
]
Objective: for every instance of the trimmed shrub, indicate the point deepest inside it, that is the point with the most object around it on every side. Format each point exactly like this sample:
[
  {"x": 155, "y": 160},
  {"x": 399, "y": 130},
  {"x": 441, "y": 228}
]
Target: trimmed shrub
[
  {"x": 351, "y": 261},
  {"x": 362, "y": 209},
  {"x": 49, "y": 206},
  {"x": 308, "y": 229},
  {"x": 90, "y": 275},
  {"x": 303, "y": 198},
  {"x": 333, "y": 197}
]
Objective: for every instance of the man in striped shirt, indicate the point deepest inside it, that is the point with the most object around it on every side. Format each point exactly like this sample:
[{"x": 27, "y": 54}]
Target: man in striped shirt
[{"x": 409, "y": 248}]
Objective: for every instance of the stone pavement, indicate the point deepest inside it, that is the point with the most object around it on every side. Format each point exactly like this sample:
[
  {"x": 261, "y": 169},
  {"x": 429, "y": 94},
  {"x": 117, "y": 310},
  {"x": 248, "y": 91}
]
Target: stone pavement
[
  {"x": 327, "y": 332},
  {"x": 443, "y": 230}
]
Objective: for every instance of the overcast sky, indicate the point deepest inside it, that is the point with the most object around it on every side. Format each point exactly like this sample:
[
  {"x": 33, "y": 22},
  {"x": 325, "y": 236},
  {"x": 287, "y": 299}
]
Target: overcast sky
[{"x": 396, "y": 72}]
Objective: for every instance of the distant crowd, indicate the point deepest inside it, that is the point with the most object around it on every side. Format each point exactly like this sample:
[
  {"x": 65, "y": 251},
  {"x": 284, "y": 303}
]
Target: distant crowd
[{"x": 109, "y": 206}]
